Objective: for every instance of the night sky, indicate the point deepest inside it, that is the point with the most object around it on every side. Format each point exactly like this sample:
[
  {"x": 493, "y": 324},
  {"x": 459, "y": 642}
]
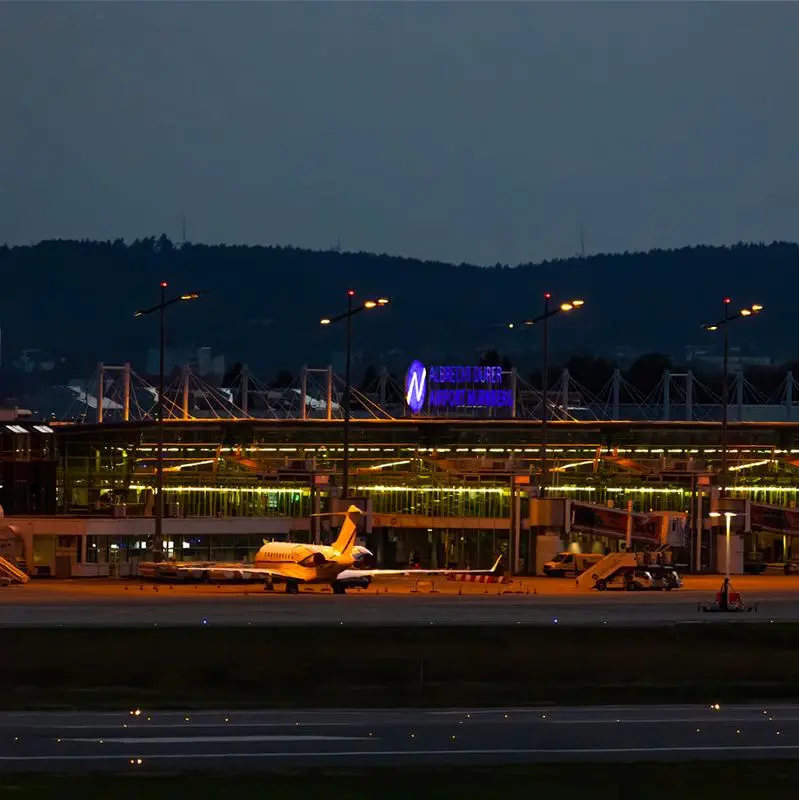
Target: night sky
[{"x": 478, "y": 132}]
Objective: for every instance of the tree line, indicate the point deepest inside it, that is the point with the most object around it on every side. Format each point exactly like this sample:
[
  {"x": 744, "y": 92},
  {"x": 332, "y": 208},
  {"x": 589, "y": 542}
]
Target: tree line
[{"x": 261, "y": 305}]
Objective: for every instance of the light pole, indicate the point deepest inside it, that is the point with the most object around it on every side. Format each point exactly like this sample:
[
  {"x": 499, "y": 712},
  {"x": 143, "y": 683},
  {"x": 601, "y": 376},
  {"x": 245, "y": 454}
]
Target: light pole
[
  {"x": 724, "y": 324},
  {"x": 725, "y": 589},
  {"x": 563, "y": 308},
  {"x": 728, "y": 515},
  {"x": 159, "y": 459},
  {"x": 351, "y": 311}
]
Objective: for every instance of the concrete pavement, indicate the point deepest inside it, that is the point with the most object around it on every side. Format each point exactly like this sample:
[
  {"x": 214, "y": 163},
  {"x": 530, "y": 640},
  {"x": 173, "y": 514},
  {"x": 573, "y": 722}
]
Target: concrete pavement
[
  {"x": 263, "y": 741},
  {"x": 546, "y": 601}
]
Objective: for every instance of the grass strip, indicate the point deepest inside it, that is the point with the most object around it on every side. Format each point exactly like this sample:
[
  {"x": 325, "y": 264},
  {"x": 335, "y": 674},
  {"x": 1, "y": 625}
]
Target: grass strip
[
  {"x": 742, "y": 780},
  {"x": 414, "y": 666}
]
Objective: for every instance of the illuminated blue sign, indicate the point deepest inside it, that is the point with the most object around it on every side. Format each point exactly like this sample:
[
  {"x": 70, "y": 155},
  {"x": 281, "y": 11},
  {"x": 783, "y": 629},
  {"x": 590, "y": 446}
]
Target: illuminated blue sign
[
  {"x": 415, "y": 386},
  {"x": 455, "y": 387}
]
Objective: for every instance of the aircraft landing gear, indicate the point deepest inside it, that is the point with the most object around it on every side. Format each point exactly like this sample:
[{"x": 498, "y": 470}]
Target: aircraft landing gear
[
  {"x": 338, "y": 588},
  {"x": 292, "y": 587}
]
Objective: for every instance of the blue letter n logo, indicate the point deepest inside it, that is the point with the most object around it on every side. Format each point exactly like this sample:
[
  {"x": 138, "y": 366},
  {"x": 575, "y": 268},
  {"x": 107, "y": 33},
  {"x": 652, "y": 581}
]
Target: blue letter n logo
[{"x": 415, "y": 386}]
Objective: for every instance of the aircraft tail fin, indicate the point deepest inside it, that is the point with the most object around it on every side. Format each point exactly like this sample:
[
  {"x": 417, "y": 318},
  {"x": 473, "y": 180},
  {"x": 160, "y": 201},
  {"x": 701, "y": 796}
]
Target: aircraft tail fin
[{"x": 346, "y": 535}]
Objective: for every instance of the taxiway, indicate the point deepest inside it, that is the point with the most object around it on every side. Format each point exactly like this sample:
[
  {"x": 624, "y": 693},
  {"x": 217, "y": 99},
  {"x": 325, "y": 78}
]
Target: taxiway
[{"x": 118, "y": 603}]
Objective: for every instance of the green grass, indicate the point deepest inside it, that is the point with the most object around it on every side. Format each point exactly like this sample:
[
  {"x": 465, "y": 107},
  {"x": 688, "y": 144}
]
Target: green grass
[
  {"x": 435, "y": 666},
  {"x": 776, "y": 780}
]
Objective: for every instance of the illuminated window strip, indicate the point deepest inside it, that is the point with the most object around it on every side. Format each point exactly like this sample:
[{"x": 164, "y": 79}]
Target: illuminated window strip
[
  {"x": 750, "y": 489},
  {"x": 306, "y": 491},
  {"x": 576, "y": 449},
  {"x": 457, "y": 490},
  {"x": 266, "y": 490},
  {"x": 431, "y": 489}
]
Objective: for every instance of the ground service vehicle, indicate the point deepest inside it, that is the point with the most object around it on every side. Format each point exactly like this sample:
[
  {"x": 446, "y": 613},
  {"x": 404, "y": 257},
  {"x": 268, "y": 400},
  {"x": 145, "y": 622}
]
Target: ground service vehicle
[
  {"x": 652, "y": 578},
  {"x": 666, "y": 575},
  {"x": 571, "y": 564},
  {"x": 644, "y": 570}
]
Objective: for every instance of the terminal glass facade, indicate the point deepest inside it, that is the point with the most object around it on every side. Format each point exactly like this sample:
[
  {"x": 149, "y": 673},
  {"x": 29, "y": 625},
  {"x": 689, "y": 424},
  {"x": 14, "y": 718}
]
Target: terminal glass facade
[
  {"x": 226, "y": 501},
  {"x": 439, "y": 501},
  {"x": 454, "y": 475}
]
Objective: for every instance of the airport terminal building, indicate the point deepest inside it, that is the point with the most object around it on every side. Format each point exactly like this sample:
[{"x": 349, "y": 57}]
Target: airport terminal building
[{"x": 456, "y": 483}]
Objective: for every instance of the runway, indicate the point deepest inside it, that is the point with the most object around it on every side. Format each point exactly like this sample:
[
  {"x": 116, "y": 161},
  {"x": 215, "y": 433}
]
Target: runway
[
  {"x": 241, "y": 741},
  {"x": 126, "y": 604}
]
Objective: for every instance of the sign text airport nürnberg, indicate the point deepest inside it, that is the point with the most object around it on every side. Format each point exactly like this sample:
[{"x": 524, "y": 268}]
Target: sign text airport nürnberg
[{"x": 455, "y": 387}]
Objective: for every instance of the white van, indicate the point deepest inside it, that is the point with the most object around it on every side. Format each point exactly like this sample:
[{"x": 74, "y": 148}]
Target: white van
[{"x": 570, "y": 564}]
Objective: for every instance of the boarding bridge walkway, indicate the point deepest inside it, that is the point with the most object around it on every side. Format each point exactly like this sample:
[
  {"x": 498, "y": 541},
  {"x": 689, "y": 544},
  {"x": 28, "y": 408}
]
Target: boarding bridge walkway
[{"x": 10, "y": 573}]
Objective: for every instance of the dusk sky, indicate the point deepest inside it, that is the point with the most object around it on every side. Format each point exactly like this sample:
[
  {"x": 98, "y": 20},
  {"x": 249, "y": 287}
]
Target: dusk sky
[{"x": 477, "y": 132}]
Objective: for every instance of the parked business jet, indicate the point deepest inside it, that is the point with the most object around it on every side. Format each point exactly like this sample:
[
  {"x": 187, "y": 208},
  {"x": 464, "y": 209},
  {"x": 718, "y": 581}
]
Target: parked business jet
[{"x": 293, "y": 564}]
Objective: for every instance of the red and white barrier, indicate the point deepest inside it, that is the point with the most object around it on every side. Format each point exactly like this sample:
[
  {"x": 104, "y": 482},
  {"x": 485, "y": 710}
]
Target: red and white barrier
[{"x": 476, "y": 578}]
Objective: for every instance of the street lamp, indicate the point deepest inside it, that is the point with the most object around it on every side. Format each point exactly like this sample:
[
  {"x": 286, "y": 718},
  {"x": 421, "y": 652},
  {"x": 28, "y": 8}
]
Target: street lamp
[
  {"x": 725, "y": 589},
  {"x": 724, "y": 324},
  {"x": 728, "y": 515},
  {"x": 563, "y": 308},
  {"x": 351, "y": 311},
  {"x": 159, "y": 462}
]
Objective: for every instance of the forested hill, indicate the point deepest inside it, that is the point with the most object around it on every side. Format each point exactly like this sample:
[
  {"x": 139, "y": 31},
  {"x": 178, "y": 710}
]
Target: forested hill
[{"x": 264, "y": 303}]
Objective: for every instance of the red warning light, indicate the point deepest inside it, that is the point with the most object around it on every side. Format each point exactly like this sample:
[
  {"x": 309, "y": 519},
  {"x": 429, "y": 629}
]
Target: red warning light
[
  {"x": 164, "y": 284},
  {"x": 727, "y": 301},
  {"x": 547, "y": 295},
  {"x": 351, "y": 292}
]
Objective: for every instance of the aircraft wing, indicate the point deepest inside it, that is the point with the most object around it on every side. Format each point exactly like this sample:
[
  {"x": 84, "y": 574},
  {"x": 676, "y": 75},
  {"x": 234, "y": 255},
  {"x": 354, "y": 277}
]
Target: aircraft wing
[
  {"x": 260, "y": 572},
  {"x": 227, "y": 571},
  {"x": 377, "y": 573}
]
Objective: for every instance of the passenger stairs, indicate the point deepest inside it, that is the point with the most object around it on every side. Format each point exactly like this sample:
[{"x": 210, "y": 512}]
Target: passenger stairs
[
  {"x": 604, "y": 570},
  {"x": 11, "y": 574},
  {"x": 598, "y": 576}
]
